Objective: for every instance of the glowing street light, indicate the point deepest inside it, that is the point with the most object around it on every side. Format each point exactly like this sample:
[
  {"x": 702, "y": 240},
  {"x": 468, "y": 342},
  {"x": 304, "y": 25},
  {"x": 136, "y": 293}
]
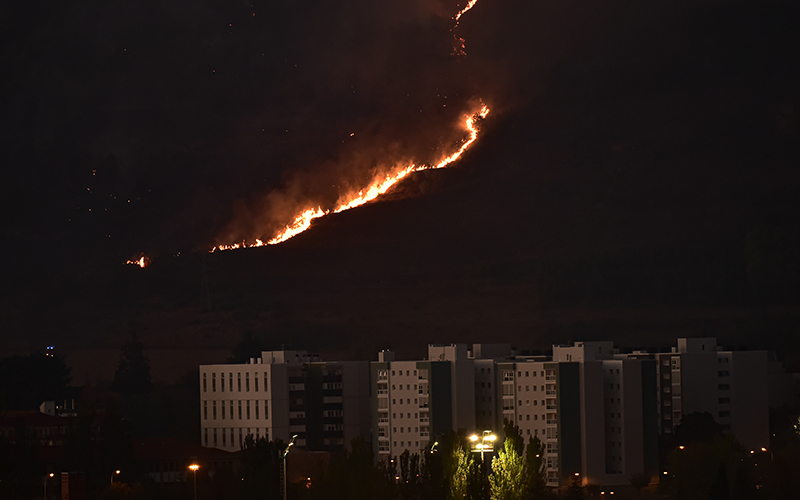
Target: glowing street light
[
  {"x": 115, "y": 473},
  {"x": 47, "y": 478},
  {"x": 285, "y": 452},
  {"x": 194, "y": 468},
  {"x": 486, "y": 442}
]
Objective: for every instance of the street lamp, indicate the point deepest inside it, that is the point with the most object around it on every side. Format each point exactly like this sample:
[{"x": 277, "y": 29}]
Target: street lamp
[
  {"x": 486, "y": 442},
  {"x": 46, "y": 478},
  {"x": 115, "y": 473},
  {"x": 194, "y": 468},
  {"x": 285, "y": 452}
]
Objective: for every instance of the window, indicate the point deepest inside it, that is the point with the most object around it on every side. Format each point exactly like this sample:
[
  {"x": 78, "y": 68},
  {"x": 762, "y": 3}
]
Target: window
[
  {"x": 223, "y": 410},
  {"x": 256, "y": 409},
  {"x": 213, "y": 382},
  {"x": 255, "y": 376},
  {"x": 231, "y": 414},
  {"x": 266, "y": 409},
  {"x": 214, "y": 414},
  {"x": 266, "y": 387},
  {"x": 240, "y": 410},
  {"x": 248, "y": 409},
  {"x": 230, "y": 378},
  {"x": 725, "y": 413},
  {"x": 205, "y": 436},
  {"x": 724, "y": 401},
  {"x": 724, "y": 387},
  {"x": 205, "y": 410},
  {"x": 204, "y": 382},
  {"x": 723, "y": 373},
  {"x": 247, "y": 382},
  {"x": 240, "y": 437},
  {"x": 239, "y": 381}
]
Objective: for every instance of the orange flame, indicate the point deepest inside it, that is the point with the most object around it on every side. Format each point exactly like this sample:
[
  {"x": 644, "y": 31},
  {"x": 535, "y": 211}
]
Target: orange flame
[
  {"x": 141, "y": 262},
  {"x": 379, "y": 185},
  {"x": 463, "y": 11},
  {"x": 382, "y": 182}
]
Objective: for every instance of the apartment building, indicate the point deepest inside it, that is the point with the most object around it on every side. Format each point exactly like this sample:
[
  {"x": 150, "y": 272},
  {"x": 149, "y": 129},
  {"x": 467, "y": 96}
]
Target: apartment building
[
  {"x": 542, "y": 399},
  {"x": 618, "y": 416},
  {"x": 699, "y": 376},
  {"x": 283, "y": 393},
  {"x": 413, "y": 400}
]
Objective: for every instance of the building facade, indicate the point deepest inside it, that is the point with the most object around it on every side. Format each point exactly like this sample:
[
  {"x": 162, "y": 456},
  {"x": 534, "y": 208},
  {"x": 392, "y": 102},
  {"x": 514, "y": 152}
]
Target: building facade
[
  {"x": 698, "y": 376},
  {"x": 283, "y": 393}
]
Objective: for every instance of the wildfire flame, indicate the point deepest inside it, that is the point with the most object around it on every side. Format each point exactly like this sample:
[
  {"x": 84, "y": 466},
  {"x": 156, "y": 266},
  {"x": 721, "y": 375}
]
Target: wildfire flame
[
  {"x": 141, "y": 262},
  {"x": 463, "y": 11},
  {"x": 379, "y": 185}
]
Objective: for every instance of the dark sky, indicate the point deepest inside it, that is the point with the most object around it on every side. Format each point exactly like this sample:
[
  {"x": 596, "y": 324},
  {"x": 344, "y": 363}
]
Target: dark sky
[{"x": 637, "y": 178}]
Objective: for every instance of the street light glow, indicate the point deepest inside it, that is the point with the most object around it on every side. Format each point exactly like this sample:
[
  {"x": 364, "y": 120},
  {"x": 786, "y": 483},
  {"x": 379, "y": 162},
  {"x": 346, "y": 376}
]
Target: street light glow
[{"x": 194, "y": 467}]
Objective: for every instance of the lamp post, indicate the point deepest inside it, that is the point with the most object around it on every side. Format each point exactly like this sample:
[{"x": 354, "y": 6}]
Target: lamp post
[
  {"x": 483, "y": 446},
  {"x": 194, "y": 468},
  {"x": 285, "y": 452},
  {"x": 46, "y": 478},
  {"x": 115, "y": 473}
]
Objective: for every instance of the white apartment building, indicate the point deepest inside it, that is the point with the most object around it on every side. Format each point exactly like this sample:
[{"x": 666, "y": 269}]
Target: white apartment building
[
  {"x": 698, "y": 376},
  {"x": 283, "y": 393},
  {"x": 541, "y": 398},
  {"x": 417, "y": 400}
]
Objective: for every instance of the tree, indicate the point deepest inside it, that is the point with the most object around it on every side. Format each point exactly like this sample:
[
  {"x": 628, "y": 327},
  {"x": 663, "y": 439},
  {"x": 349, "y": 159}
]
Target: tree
[
  {"x": 351, "y": 475},
  {"x": 535, "y": 467},
  {"x": 697, "y": 428},
  {"x": 409, "y": 475},
  {"x": 433, "y": 482},
  {"x": 508, "y": 481},
  {"x": 260, "y": 468},
  {"x": 133, "y": 373},
  {"x": 459, "y": 479},
  {"x": 513, "y": 434},
  {"x": 694, "y": 471},
  {"x": 640, "y": 480}
]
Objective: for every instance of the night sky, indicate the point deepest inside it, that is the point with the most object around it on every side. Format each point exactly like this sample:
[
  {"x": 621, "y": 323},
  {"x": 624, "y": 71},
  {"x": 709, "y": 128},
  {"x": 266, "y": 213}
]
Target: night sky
[{"x": 637, "y": 179}]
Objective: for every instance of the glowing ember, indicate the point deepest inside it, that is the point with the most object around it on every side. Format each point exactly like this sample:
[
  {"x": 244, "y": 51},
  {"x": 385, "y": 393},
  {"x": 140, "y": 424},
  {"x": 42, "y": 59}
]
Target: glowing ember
[{"x": 141, "y": 262}]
